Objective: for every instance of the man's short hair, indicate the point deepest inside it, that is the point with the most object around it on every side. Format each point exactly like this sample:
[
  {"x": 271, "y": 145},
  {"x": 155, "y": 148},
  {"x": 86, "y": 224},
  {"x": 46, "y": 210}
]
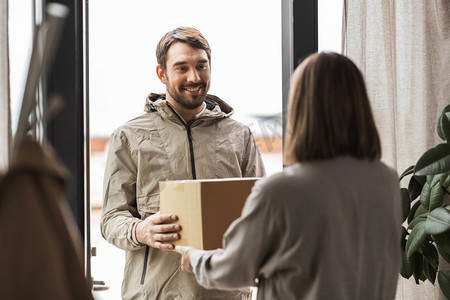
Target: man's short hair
[{"x": 188, "y": 35}]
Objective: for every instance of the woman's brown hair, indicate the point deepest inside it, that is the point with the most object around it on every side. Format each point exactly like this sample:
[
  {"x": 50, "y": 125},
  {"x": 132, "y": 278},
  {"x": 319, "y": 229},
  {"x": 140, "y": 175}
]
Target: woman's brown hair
[{"x": 329, "y": 113}]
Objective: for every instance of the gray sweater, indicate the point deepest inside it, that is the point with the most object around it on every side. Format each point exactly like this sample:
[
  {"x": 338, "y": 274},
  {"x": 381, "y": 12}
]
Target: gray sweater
[{"x": 325, "y": 229}]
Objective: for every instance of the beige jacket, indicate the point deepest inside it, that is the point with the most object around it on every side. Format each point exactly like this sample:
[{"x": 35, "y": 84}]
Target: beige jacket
[{"x": 159, "y": 146}]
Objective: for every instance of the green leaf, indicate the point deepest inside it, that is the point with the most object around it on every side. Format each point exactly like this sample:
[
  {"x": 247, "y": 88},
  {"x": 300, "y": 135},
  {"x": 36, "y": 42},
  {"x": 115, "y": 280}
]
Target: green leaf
[
  {"x": 413, "y": 211},
  {"x": 443, "y": 242},
  {"x": 444, "y": 282},
  {"x": 429, "y": 271},
  {"x": 418, "y": 267},
  {"x": 415, "y": 239},
  {"x": 408, "y": 171},
  {"x": 433, "y": 179},
  {"x": 420, "y": 210},
  {"x": 438, "y": 221},
  {"x": 425, "y": 196},
  {"x": 422, "y": 276},
  {"x": 407, "y": 267},
  {"x": 421, "y": 179},
  {"x": 430, "y": 254},
  {"x": 432, "y": 194},
  {"x": 418, "y": 219},
  {"x": 434, "y": 161},
  {"x": 445, "y": 180},
  {"x": 415, "y": 186},
  {"x": 406, "y": 202},
  {"x": 443, "y": 124},
  {"x": 436, "y": 197},
  {"x": 443, "y": 254}
]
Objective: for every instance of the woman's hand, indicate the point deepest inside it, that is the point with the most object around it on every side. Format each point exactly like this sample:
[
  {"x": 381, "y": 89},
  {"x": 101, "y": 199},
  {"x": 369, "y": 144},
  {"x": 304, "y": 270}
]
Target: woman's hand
[{"x": 185, "y": 257}]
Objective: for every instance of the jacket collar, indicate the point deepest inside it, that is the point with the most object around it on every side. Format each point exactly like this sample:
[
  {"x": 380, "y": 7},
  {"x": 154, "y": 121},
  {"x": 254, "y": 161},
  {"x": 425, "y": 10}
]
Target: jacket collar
[{"x": 215, "y": 107}]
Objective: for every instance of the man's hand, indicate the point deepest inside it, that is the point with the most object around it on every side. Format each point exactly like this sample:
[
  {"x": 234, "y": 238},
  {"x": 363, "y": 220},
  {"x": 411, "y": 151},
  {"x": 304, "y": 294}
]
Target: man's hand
[
  {"x": 185, "y": 251},
  {"x": 157, "y": 232}
]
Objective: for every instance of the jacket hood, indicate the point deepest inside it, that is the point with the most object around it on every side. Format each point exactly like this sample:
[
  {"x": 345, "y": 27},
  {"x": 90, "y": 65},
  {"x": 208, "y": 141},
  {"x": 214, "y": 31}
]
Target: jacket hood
[{"x": 214, "y": 104}]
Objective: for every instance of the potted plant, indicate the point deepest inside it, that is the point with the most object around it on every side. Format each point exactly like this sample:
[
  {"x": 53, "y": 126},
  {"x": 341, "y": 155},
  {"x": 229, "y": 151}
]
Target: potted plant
[{"x": 426, "y": 232}]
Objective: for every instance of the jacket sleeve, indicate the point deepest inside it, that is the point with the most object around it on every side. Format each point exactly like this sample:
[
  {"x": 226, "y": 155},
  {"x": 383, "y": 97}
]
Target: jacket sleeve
[
  {"x": 119, "y": 213},
  {"x": 252, "y": 164},
  {"x": 249, "y": 243}
]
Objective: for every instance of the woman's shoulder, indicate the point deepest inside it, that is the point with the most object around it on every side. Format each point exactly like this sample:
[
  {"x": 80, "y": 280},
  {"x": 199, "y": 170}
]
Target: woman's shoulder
[
  {"x": 311, "y": 173},
  {"x": 290, "y": 176}
]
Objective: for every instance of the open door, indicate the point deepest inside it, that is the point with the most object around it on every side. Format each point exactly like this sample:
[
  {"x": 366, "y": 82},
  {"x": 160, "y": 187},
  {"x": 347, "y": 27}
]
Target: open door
[{"x": 246, "y": 73}]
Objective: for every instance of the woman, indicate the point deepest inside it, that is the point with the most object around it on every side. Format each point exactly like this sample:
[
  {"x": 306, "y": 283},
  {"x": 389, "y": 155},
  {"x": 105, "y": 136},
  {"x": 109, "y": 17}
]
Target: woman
[{"x": 328, "y": 225}]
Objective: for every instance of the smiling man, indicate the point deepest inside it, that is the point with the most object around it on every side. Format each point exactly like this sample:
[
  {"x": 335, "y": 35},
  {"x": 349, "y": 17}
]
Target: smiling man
[
  {"x": 186, "y": 74},
  {"x": 184, "y": 134}
]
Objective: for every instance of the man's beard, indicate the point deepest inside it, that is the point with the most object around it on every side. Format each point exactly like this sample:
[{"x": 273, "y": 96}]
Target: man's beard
[{"x": 185, "y": 103}]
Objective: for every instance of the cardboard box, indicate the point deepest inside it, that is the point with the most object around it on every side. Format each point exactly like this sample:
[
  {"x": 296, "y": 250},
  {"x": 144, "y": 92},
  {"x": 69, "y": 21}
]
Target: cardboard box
[{"x": 205, "y": 208}]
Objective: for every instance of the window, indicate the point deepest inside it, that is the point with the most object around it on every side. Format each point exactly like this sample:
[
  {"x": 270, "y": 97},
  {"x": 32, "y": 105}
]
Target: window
[
  {"x": 330, "y": 25},
  {"x": 21, "y": 24}
]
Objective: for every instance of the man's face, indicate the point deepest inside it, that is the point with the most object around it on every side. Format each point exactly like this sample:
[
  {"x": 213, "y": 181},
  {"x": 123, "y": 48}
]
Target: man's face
[{"x": 187, "y": 76}]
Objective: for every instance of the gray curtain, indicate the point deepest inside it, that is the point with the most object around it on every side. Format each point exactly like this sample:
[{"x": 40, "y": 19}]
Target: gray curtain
[
  {"x": 403, "y": 49},
  {"x": 5, "y": 120}
]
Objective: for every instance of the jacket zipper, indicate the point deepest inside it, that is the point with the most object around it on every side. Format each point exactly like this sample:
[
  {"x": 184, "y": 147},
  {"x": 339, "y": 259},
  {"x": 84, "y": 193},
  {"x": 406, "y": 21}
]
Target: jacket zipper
[
  {"x": 191, "y": 145},
  {"x": 191, "y": 149},
  {"x": 144, "y": 270},
  {"x": 194, "y": 176}
]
